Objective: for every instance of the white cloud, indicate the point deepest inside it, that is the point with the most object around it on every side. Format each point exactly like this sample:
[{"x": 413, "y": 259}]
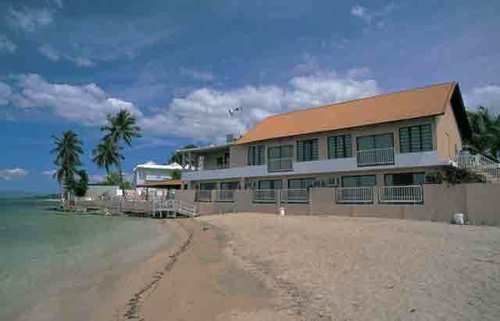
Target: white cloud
[
  {"x": 52, "y": 54},
  {"x": 487, "y": 96},
  {"x": 197, "y": 74},
  {"x": 6, "y": 45},
  {"x": 5, "y": 93},
  {"x": 49, "y": 52},
  {"x": 12, "y": 173},
  {"x": 203, "y": 114},
  {"x": 49, "y": 172},
  {"x": 87, "y": 103},
  {"x": 29, "y": 19},
  {"x": 372, "y": 17}
]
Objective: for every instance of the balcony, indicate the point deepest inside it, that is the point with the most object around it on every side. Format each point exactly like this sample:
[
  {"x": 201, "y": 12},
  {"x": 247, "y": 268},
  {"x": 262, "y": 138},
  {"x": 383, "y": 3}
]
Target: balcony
[{"x": 376, "y": 157}]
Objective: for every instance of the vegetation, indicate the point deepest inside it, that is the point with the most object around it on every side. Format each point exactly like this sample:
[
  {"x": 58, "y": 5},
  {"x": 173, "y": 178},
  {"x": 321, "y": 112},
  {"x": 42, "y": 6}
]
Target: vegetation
[
  {"x": 68, "y": 149},
  {"x": 120, "y": 128},
  {"x": 113, "y": 178},
  {"x": 176, "y": 174},
  {"x": 485, "y": 132}
]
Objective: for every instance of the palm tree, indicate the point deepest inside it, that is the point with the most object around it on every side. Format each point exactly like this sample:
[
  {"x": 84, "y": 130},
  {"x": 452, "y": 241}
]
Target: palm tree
[
  {"x": 107, "y": 154},
  {"x": 68, "y": 148},
  {"x": 485, "y": 132},
  {"x": 121, "y": 127}
]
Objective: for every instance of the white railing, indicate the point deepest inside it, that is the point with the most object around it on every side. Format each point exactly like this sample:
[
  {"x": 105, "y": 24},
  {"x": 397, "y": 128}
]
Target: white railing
[
  {"x": 265, "y": 195},
  {"x": 478, "y": 162},
  {"x": 224, "y": 195},
  {"x": 378, "y": 156},
  {"x": 280, "y": 164},
  {"x": 295, "y": 195},
  {"x": 354, "y": 195},
  {"x": 203, "y": 195},
  {"x": 401, "y": 194}
]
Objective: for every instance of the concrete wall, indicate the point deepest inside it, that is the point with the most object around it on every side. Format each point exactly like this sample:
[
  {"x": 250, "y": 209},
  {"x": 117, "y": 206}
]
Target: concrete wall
[
  {"x": 479, "y": 202},
  {"x": 448, "y": 134}
]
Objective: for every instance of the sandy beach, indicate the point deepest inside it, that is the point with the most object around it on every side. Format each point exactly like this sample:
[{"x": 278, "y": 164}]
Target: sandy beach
[{"x": 264, "y": 267}]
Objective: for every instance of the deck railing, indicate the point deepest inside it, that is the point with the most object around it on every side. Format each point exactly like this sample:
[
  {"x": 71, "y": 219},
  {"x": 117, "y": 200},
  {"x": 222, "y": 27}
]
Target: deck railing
[
  {"x": 354, "y": 195},
  {"x": 374, "y": 157},
  {"x": 478, "y": 162},
  {"x": 203, "y": 195},
  {"x": 295, "y": 195},
  {"x": 265, "y": 195},
  {"x": 409, "y": 194},
  {"x": 224, "y": 196}
]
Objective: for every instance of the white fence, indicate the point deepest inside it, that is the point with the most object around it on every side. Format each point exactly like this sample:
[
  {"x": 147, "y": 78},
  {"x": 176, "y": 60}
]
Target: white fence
[
  {"x": 378, "y": 156},
  {"x": 354, "y": 195},
  {"x": 295, "y": 195},
  {"x": 401, "y": 194},
  {"x": 265, "y": 195}
]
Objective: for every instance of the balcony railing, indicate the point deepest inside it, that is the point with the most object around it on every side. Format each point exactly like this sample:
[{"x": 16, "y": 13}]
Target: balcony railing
[
  {"x": 265, "y": 195},
  {"x": 354, "y": 195},
  {"x": 224, "y": 196},
  {"x": 409, "y": 194},
  {"x": 280, "y": 164},
  {"x": 374, "y": 157},
  {"x": 295, "y": 195},
  {"x": 203, "y": 196}
]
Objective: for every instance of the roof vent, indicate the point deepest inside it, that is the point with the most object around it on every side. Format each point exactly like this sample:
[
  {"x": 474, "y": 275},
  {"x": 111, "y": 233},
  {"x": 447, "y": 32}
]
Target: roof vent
[{"x": 230, "y": 138}]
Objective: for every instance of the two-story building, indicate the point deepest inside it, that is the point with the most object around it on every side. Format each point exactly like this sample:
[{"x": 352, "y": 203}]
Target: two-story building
[{"x": 401, "y": 138}]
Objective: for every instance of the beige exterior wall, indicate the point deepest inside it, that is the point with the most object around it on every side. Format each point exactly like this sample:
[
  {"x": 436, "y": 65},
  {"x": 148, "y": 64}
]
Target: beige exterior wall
[
  {"x": 448, "y": 136},
  {"x": 479, "y": 203}
]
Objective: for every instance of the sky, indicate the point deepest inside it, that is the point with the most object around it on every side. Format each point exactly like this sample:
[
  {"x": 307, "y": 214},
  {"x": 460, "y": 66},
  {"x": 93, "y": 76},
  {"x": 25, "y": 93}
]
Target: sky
[{"x": 180, "y": 65}]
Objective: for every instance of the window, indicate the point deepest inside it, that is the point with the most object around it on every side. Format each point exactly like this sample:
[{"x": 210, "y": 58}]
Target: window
[
  {"x": 229, "y": 185},
  {"x": 280, "y": 158},
  {"x": 359, "y": 181},
  {"x": 300, "y": 183},
  {"x": 307, "y": 150},
  {"x": 402, "y": 179},
  {"x": 339, "y": 146},
  {"x": 415, "y": 139},
  {"x": 256, "y": 155},
  {"x": 270, "y": 184},
  {"x": 208, "y": 186},
  {"x": 375, "y": 150},
  {"x": 222, "y": 161},
  {"x": 382, "y": 141}
]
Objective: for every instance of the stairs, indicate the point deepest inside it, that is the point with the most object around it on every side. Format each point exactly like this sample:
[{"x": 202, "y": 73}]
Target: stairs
[
  {"x": 171, "y": 208},
  {"x": 481, "y": 165}
]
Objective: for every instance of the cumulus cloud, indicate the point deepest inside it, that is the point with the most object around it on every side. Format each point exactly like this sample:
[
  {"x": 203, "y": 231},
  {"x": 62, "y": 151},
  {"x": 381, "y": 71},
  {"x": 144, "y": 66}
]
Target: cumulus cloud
[
  {"x": 5, "y": 93},
  {"x": 29, "y": 19},
  {"x": 6, "y": 45},
  {"x": 12, "y": 173},
  {"x": 87, "y": 103},
  {"x": 487, "y": 96},
  {"x": 203, "y": 114},
  {"x": 372, "y": 17}
]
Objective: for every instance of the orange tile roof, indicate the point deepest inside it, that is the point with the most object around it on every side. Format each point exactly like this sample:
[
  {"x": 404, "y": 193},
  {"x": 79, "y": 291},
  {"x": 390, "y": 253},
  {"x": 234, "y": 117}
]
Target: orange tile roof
[{"x": 408, "y": 104}]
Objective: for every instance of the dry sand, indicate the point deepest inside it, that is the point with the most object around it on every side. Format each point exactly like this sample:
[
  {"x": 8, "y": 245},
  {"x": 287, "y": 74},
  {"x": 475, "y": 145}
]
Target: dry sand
[
  {"x": 332, "y": 268},
  {"x": 261, "y": 267}
]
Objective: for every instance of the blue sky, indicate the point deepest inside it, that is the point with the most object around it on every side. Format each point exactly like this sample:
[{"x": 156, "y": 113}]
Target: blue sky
[{"x": 180, "y": 65}]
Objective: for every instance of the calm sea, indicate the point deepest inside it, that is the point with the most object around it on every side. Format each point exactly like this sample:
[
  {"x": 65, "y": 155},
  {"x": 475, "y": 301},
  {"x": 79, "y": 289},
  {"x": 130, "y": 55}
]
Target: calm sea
[{"x": 45, "y": 255}]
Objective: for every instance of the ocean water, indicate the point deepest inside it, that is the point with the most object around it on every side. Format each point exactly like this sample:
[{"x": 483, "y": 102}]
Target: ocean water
[{"x": 46, "y": 255}]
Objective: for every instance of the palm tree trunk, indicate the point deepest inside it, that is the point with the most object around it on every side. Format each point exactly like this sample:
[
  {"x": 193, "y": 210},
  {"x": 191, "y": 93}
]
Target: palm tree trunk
[{"x": 121, "y": 178}]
